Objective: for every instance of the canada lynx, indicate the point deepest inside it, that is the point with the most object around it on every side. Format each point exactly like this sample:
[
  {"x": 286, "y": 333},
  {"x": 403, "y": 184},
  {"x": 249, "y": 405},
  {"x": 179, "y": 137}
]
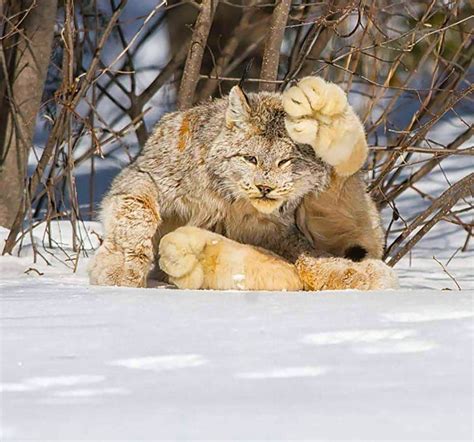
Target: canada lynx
[{"x": 256, "y": 192}]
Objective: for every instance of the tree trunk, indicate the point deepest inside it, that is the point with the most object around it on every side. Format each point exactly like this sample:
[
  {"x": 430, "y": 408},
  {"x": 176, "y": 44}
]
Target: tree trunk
[
  {"x": 192, "y": 68},
  {"x": 24, "y": 58},
  {"x": 271, "y": 54}
]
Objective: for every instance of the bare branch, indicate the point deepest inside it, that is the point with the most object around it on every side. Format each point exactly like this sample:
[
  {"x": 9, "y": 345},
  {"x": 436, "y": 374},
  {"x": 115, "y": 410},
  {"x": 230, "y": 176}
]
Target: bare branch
[
  {"x": 271, "y": 54},
  {"x": 196, "y": 51},
  {"x": 441, "y": 206}
]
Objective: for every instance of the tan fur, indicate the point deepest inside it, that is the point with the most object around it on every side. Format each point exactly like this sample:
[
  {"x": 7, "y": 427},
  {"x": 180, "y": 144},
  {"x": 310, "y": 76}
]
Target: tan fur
[
  {"x": 337, "y": 274},
  {"x": 205, "y": 169},
  {"x": 198, "y": 259},
  {"x": 319, "y": 115},
  {"x": 342, "y": 216},
  {"x": 125, "y": 258},
  {"x": 184, "y": 134}
]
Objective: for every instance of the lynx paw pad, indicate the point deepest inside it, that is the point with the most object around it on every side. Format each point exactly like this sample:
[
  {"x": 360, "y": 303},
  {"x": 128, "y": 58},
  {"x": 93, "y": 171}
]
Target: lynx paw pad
[
  {"x": 179, "y": 257},
  {"x": 314, "y": 97},
  {"x": 303, "y": 130},
  {"x": 314, "y": 111}
]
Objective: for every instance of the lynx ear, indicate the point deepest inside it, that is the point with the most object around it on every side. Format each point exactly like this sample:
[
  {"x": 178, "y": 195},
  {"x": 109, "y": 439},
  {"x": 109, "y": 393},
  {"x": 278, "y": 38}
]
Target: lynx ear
[{"x": 238, "y": 110}]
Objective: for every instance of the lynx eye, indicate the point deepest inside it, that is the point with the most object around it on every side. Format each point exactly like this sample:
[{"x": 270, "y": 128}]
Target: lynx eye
[
  {"x": 283, "y": 162},
  {"x": 250, "y": 159}
]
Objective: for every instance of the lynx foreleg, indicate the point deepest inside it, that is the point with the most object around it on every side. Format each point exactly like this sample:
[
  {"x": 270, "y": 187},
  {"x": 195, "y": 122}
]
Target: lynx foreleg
[
  {"x": 195, "y": 258},
  {"x": 319, "y": 114},
  {"x": 126, "y": 255},
  {"x": 198, "y": 259}
]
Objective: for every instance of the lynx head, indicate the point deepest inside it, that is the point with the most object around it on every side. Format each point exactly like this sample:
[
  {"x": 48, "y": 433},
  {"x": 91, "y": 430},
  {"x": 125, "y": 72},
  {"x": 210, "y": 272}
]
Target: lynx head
[{"x": 254, "y": 158}]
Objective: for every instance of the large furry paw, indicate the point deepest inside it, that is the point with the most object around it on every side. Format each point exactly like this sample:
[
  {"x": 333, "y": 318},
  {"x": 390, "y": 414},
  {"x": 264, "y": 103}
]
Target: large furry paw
[
  {"x": 313, "y": 97},
  {"x": 195, "y": 258},
  {"x": 180, "y": 253},
  {"x": 319, "y": 114},
  {"x": 341, "y": 274},
  {"x": 109, "y": 266}
]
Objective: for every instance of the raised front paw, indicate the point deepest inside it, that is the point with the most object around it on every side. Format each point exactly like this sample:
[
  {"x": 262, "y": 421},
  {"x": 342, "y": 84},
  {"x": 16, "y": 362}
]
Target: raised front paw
[
  {"x": 313, "y": 106},
  {"x": 180, "y": 255},
  {"x": 318, "y": 114},
  {"x": 342, "y": 274},
  {"x": 314, "y": 97}
]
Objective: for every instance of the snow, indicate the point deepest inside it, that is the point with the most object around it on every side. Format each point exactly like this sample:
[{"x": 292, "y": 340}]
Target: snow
[
  {"x": 94, "y": 363},
  {"x": 161, "y": 363},
  {"x": 107, "y": 363}
]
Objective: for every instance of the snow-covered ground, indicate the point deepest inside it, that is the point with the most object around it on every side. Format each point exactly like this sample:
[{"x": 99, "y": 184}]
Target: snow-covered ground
[{"x": 99, "y": 363}]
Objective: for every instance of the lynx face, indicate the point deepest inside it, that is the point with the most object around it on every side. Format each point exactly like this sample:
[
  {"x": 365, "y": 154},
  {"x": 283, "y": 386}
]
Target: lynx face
[{"x": 254, "y": 158}]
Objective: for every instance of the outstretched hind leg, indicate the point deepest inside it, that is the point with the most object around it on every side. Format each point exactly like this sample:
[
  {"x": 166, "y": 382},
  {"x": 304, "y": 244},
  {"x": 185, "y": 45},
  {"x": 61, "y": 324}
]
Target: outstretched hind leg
[{"x": 195, "y": 258}]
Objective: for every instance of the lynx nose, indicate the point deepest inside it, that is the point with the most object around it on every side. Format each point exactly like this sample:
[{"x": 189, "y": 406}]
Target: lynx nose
[{"x": 264, "y": 190}]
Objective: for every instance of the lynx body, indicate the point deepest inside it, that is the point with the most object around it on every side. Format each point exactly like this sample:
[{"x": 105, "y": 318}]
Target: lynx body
[{"x": 267, "y": 188}]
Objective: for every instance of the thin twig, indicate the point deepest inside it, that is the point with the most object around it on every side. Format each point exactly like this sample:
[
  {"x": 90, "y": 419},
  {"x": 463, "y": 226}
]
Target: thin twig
[{"x": 445, "y": 270}]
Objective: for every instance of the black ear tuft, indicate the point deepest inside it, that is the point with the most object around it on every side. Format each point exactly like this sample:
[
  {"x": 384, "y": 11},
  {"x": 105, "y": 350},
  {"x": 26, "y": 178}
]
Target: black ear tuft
[
  {"x": 245, "y": 74},
  {"x": 355, "y": 253},
  {"x": 244, "y": 77}
]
